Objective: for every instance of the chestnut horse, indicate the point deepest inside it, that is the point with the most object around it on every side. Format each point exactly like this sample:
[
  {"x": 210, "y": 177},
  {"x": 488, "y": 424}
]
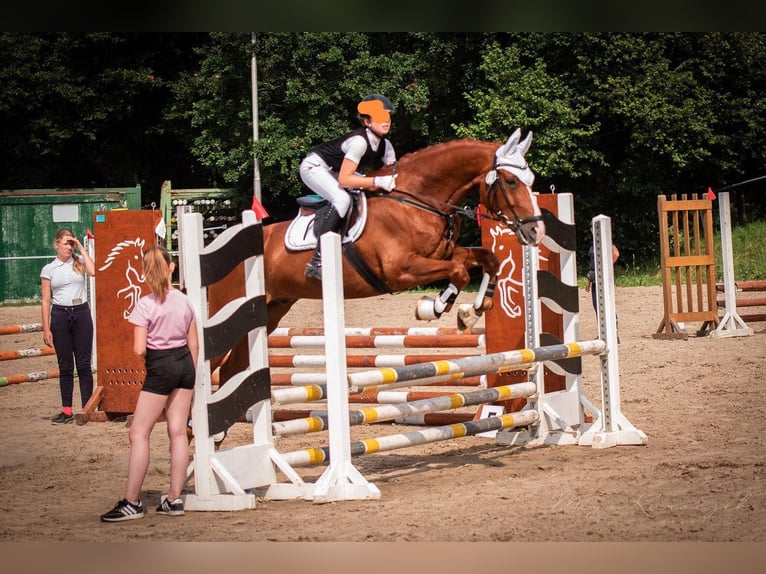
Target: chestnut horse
[{"x": 410, "y": 235}]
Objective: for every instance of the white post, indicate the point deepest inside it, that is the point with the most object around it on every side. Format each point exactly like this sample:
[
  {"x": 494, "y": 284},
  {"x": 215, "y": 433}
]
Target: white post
[
  {"x": 611, "y": 428},
  {"x": 732, "y": 325},
  {"x": 204, "y": 479},
  {"x": 254, "y": 88},
  {"x": 341, "y": 480},
  {"x": 534, "y": 327}
]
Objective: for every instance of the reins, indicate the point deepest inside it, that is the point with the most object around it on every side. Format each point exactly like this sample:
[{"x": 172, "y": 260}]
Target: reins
[{"x": 413, "y": 199}]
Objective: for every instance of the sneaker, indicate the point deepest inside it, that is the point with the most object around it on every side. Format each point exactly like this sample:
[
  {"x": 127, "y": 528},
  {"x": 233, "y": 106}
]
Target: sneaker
[
  {"x": 171, "y": 507},
  {"x": 124, "y": 510},
  {"x": 62, "y": 418}
]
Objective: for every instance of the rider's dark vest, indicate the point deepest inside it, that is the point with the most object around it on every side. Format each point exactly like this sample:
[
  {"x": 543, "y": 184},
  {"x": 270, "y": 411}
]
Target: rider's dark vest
[{"x": 332, "y": 153}]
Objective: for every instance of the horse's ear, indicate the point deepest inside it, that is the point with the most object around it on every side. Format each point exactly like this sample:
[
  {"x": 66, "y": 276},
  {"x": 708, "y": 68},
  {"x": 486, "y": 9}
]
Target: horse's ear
[
  {"x": 511, "y": 144},
  {"x": 524, "y": 145}
]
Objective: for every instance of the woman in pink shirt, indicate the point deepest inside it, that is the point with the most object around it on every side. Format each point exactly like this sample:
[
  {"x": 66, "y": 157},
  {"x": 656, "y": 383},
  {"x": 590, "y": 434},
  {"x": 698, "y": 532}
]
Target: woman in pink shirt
[{"x": 165, "y": 334}]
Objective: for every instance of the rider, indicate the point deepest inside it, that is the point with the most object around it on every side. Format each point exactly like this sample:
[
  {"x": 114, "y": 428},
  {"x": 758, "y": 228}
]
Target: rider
[{"x": 333, "y": 167}]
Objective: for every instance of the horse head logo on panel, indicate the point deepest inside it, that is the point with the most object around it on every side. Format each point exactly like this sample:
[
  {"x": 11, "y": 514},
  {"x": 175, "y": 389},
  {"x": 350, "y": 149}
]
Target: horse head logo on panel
[
  {"x": 129, "y": 255},
  {"x": 508, "y": 286}
]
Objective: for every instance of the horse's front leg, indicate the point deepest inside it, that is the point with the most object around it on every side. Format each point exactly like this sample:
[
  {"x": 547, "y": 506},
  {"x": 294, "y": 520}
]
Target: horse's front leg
[
  {"x": 469, "y": 314},
  {"x": 456, "y": 270}
]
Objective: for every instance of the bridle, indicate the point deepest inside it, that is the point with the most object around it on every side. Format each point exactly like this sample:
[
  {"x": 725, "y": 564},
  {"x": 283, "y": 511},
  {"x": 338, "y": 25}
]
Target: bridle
[{"x": 496, "y": 214}]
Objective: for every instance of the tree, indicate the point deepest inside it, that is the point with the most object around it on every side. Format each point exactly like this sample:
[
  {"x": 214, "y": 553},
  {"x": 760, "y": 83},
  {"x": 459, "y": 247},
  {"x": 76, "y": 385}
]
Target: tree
[{"x": 86, "y": 109}]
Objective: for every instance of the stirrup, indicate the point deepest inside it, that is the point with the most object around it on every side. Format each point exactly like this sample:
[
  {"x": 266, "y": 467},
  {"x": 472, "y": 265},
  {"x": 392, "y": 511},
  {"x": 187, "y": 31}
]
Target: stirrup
[{"x": 313, "y": 270}]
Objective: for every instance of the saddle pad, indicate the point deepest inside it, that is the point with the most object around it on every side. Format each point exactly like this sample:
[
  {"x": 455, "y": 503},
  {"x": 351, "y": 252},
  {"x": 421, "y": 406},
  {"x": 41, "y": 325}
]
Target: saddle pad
[{"x": 300, "y": 232}]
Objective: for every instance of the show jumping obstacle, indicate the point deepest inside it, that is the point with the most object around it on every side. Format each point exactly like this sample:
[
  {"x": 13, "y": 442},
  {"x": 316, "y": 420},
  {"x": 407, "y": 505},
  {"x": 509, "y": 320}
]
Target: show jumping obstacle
[
  {"x": 426, "y": 338},
  {"x": 748, "y": 301},
  {"x": 429, "y": 339},
  {"x": 733, "y": 324},
  {"x": 224, "y": 478},
  {"x": 406, "y": 408}
]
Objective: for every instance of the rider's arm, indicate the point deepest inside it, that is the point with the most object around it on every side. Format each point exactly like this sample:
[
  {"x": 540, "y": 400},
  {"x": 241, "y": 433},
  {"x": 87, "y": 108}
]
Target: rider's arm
[{"x": 347, "y": 176}]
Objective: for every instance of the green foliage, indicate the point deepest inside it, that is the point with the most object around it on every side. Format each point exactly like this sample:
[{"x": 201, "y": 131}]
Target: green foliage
[
  {"x": 86, "y": 109},
  {"x": 749, "y": 254},
  {"x": 527, "y": 96}
]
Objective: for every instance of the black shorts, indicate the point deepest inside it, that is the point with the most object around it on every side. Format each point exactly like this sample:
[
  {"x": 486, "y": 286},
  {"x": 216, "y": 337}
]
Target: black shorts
[{"x": 168, "y": 369}]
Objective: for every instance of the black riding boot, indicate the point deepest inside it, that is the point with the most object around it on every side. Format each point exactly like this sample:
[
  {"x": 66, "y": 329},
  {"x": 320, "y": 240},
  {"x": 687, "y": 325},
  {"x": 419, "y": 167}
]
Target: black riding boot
[{"x": 323, "y": 222}]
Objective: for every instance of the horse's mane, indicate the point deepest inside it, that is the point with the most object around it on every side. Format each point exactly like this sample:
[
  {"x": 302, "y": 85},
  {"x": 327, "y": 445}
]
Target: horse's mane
[{"x": 439, "y": 148}]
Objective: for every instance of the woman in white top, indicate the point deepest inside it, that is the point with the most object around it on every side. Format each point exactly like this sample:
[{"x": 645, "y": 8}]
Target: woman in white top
[{"x": 66, "y": 319}]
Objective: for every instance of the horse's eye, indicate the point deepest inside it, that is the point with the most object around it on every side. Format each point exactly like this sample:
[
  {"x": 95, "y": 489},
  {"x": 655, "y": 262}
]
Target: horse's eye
[{"x": 510, "y": 181}]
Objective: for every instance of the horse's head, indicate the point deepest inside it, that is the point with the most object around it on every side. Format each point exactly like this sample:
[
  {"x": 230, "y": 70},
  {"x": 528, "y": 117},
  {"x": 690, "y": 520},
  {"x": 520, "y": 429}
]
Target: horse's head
[{"x": 508, "y": 195}]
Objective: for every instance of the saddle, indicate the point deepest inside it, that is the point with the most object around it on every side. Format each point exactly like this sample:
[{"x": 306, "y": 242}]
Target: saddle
[{"x": 300, "y": 233}]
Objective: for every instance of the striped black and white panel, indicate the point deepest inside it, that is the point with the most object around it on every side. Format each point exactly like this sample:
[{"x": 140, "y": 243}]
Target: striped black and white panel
[
  {"x": 558, "y": 294},
  {"x": 239, "y": 318}
]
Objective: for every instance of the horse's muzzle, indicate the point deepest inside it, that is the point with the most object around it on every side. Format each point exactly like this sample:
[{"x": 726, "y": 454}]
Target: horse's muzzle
[{"x": 530, "y": 230}]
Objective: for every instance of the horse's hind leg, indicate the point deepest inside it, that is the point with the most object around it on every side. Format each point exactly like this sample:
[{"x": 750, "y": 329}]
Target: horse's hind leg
[{"x": 277, "y": 309}]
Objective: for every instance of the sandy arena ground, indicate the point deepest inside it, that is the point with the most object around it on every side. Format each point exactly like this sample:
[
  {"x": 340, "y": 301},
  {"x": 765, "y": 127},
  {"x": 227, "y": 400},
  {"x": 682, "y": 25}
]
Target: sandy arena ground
[{"x": 700, "y": 478}]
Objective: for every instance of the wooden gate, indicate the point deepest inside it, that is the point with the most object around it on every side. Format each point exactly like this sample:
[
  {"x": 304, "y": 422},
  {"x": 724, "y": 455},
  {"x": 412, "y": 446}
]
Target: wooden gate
[{"x": 688, "y": 265}]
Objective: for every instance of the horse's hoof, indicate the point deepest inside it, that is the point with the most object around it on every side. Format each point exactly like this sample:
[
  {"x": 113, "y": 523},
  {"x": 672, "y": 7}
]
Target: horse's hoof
[
  {"x": 425, "y": 309},
  {"x": 218, "y": 438},
  {"x": 466, "y": 317}
]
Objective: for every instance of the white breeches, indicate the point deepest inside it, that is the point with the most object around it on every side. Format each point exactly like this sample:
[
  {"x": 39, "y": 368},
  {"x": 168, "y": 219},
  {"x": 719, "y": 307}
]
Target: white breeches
[{"x": 318, "y": 176}]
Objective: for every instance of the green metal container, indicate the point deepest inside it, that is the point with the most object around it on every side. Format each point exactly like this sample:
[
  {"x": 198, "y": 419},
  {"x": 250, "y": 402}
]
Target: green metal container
[{"x": 28, "y": 223}]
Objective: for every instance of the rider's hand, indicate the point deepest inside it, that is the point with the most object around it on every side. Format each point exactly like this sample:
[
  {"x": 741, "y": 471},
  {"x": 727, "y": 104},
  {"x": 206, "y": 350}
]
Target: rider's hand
[{"x": 387, "y": 182}]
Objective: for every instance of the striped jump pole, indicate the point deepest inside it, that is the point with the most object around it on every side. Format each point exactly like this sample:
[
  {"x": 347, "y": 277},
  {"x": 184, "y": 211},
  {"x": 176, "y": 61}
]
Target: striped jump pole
[
  {"x": 380, "y": 341},
  {"x": 302, "y": 394},
  {"x": 369, "y": 415},
  {"x": 373, "y": 331},
  {"x": 26, "y": 353},
  {"x": 356, "y": 361},
  {"x": 315, "y": 456},
  {"x": 428, "y": 419},
  {"x": 28, "y": 377},
  {"x": 470, "y": 366},
  {"x": 311, "y": 393},
  {"x": 22, "y": 328},
  {"x": 300, "y": 379},
  {"x": 395, "y": 397}
]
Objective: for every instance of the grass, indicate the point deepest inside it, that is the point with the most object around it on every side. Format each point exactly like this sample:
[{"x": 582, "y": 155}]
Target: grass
[{"x": 748, "y": 247}]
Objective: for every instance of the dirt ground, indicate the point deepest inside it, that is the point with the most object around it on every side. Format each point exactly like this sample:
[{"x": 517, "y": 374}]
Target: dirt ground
[{"x": 700, "y": 477}]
